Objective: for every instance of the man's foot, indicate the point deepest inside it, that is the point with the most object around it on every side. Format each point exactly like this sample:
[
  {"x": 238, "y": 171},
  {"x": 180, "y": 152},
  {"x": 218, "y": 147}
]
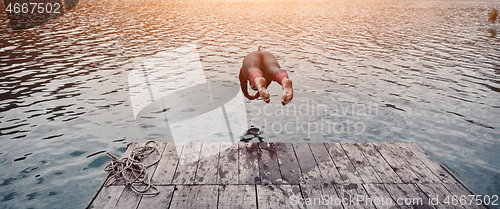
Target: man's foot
[
  {"x": 287, "y": 91},
  {"x": 260, "y": 83}
]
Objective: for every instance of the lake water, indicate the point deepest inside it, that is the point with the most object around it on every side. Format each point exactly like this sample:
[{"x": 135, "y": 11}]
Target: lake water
[{"x": 425, "y": 71}]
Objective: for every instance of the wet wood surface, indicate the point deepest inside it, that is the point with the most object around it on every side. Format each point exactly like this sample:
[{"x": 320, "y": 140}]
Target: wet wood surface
[{"x": 289, "y": 175}]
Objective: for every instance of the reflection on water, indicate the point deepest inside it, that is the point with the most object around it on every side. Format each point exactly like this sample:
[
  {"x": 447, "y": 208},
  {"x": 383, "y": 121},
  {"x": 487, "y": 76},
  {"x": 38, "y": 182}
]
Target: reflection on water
[{"x": 430, "y": 69}]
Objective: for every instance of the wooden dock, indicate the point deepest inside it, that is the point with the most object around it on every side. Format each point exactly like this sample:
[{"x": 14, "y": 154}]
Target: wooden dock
[{"x": 290, "y": 175}]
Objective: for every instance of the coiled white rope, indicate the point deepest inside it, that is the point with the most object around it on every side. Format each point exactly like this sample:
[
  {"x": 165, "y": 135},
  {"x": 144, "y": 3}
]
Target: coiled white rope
[{"x": 132, "y": 170}]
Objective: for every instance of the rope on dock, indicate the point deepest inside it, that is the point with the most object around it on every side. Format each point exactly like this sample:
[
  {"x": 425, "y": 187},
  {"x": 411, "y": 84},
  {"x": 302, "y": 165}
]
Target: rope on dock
[{"x": 132, "y": 170}]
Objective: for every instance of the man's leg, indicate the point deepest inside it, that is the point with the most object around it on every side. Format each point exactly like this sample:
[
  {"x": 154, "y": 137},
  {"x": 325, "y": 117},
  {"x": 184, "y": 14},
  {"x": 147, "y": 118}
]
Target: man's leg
[
  {"x": 280, "y": 76},
  {"x": 251, "y": 69},
  {"x": 260, "y": 83},
  {"x": 287, "y": 91}
]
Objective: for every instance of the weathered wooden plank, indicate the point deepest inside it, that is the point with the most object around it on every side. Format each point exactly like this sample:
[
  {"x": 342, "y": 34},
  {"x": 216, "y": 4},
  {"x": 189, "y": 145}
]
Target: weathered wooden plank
[
  {"x": 437, "y": 195},
  {"x": 168, "y": 164},
  {"x": 348, "y": 172},
  {"x": 326, "y": 166},
  {"x": 278, "y": 196},
  {"x": 228, "y": 164},
  {"x": 364, "y": 168},
  {"x": 460, "y": 191},
  {"x": 424, "y": 174},
  {"x": 96, "y": 193},
  {"x": 188, "y": 162},
  {"x": 108, "y": 197},
  {"x": 311, "y": 192},
  {"x": 153, "y": 158},
  {"x": 288, "y": 163},
  {"x": 313, "y": 183},
  {"x": 444, "y": 176},
  {"x": 397, "y": 164},
  {"x": 128, "y": 199},
  {"x": 320, "y": 196},
  {"x": 184, "y": 197},
  {"x": 195, "y": 196},
  {"x": 268, "y": 164},
  {"x": 162, "y": 200},
  {"x": 308, "y": 167},
  {"x": 383, "y": 169},
  {"x": 237, "y": 196},
  {"x": 413, "y": 188},
  {"x": 406, "y": 197},
  {"x": 399, "y": 196},
  {"x": 334, "y": 200},
  {"x": 349, "y": 194},
  {"x": 209, "y": 160},
  {"x": 379, "y": 196},
  {"x": 248, "y": 169},
  {"x": 206, "y": 196}
]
